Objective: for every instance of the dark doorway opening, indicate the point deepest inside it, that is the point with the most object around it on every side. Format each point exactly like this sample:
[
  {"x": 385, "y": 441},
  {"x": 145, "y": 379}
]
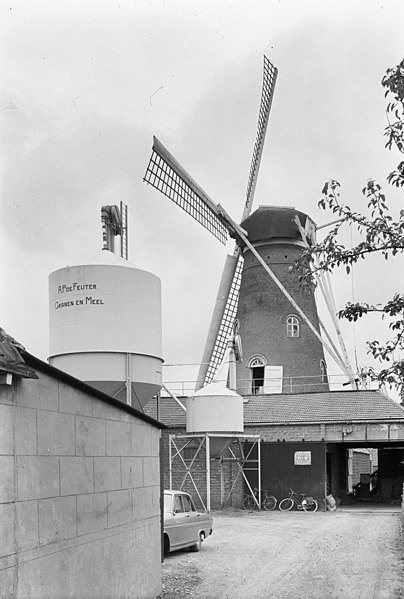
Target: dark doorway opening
[{"x": 258, "y": 374}]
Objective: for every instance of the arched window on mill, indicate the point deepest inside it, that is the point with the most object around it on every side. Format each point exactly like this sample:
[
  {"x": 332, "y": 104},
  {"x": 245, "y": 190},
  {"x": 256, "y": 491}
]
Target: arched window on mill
[
  {"x": 257, "y": 365},
  {"x": 292, "y": 326}
]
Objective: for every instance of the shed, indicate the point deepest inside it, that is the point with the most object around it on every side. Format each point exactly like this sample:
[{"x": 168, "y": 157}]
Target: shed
[
  {"x": 79, "y": 487},
  {"x": 322, "y": 427}
]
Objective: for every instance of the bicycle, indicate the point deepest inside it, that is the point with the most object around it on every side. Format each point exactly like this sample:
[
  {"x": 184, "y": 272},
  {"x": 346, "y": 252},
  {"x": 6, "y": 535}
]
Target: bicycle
[
  {"x": 268, "y": 501},
  {"x": 300, "y": 500}
]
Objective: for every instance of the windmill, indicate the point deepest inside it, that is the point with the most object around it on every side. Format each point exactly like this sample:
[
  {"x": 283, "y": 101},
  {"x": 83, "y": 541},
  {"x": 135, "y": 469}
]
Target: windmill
[{"x": 288, "y": 227}]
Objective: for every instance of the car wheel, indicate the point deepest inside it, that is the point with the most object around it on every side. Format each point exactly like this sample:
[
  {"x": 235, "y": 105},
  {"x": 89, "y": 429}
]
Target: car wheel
[
  {"x": 197, "y": 546},
  {"x": 166, "y": 544}
]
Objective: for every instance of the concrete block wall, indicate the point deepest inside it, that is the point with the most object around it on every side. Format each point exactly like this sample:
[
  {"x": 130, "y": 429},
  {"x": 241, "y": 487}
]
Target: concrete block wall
[{"x": 79, "y": 495}]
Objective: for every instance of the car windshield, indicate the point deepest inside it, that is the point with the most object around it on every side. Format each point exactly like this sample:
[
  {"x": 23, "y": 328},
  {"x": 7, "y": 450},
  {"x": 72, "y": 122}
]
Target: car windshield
[{"x": 167, "y": 503}]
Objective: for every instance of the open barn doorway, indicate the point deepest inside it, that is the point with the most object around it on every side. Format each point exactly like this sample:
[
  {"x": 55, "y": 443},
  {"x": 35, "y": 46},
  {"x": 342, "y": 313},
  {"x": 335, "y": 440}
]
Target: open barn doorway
[{"x": 365, "y": 475}]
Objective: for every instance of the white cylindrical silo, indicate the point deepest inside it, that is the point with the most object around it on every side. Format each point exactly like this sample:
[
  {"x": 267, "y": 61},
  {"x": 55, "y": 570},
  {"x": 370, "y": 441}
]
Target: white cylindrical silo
[
  {"x": 215, "y": 409},
  {"x": 105, "y": 326}
]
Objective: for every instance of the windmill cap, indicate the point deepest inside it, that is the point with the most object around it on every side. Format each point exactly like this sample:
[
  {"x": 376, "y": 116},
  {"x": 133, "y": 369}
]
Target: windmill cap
[{"x": 274, "y": 222}]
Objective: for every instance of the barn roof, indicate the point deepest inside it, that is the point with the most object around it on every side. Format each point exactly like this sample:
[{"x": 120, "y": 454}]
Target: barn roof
[
  {"x": 305, "y": 408},
  {"x": 171, "y": 413},
  {"x": 331, "y": 406}
]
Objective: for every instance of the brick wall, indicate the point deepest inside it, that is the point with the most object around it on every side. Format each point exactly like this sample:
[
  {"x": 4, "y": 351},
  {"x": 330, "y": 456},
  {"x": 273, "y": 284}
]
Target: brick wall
[
  {"x": 334, "y": 435},
  {"x": 79, "y": 495},
  {"x": 219, "y": 498},
  {"x": 309, "y": 432},
  {"x": 262, "y": 312},
  {"x": 269, "y": 434}
]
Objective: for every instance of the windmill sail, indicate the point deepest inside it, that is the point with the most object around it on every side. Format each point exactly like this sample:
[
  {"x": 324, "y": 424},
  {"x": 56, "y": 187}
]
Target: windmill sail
[
  {"x": 268, "y": 86},
  {"x": 222, "y": 321},
  {"x": 221, "y": 327},
  {"x": 167, "y": 175}
]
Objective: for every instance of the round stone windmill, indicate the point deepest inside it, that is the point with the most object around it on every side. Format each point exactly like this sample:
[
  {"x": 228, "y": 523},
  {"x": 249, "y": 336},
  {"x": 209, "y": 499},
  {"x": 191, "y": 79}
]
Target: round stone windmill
[
  {"x": 278, "y": 324},
  {"x": 281, "y": 352}
]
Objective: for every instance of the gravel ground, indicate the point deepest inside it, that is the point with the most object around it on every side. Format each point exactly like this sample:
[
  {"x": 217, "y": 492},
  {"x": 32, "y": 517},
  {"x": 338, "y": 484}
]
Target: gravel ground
[{"x": 332, "y": 555}]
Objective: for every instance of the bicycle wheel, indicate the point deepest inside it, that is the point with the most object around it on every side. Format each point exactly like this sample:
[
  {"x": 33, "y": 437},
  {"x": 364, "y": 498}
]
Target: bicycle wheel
[
  {"x": 249, "y": 502},
  {"x": 286, "y": 504},
  {"x": 310, "y": 507},
  {"x": 269, "y": 503}
]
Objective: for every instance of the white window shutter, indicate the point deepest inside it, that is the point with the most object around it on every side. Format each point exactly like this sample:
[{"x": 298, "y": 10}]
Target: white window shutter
[{"x": 273, "y": 379}]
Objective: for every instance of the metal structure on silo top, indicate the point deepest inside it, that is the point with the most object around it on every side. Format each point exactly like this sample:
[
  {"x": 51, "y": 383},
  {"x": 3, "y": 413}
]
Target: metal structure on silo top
[{"x": 105, "y": 324}]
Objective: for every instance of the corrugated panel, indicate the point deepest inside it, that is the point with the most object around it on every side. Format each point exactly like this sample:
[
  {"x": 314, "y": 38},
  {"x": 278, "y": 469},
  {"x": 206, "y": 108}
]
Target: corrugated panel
[{"x": 279, "y": 472}]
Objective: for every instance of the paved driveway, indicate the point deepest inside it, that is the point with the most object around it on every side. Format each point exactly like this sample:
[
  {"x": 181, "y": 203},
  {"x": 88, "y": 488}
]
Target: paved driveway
[{"x": 348, "y": 554}]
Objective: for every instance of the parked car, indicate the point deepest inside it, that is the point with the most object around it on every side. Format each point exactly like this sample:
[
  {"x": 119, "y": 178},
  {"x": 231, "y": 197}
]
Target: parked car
[{"x": 184, "y": 526}]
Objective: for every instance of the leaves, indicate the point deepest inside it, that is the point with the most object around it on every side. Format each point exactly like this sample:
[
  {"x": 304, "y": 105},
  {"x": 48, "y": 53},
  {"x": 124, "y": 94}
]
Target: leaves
[{"x": 379, "y": 233}]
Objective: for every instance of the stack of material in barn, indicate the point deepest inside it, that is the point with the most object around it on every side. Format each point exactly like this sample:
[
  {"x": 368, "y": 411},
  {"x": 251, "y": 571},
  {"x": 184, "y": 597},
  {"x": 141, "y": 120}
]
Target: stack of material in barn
[
  {"x": 397, "y": 489},
  {"x": 364, "y": 492},
  {"x": 105, "y": 326},
  {"x": 386, "y": 487}
]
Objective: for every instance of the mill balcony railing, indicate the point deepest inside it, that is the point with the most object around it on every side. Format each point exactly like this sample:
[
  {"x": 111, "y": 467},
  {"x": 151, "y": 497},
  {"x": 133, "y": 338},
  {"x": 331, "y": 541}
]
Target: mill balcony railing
[{"x": 286, "y": 385}]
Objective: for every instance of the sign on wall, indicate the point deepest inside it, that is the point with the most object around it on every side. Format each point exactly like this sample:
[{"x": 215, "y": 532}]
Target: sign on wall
[{"x": 302, "y": 458}]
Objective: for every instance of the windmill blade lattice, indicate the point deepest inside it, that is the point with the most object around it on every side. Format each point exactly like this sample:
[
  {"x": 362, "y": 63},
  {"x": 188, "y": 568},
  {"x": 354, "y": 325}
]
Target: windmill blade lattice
[
  {"x": 268, "y": 86},
  {"x": 214, "y": 357},
  {"x": 167, "y": 175}
]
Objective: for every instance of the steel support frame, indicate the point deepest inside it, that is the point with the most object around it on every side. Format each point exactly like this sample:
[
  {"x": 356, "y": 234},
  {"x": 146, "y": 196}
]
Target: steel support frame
[{"x": 176, "y": 451}]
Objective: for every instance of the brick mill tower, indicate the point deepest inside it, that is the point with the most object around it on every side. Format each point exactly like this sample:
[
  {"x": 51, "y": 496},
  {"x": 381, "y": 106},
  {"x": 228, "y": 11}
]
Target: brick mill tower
[{"x": 280, "y": 352}]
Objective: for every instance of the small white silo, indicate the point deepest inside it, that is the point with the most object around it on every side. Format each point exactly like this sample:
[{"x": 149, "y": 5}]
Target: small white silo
[
  {"x": 215, "y": 409},
  {"x": 105, "y": 326}
]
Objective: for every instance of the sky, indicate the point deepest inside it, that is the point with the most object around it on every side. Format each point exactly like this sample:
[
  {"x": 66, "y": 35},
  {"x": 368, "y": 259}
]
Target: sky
[{"x": 85, "y": 86}]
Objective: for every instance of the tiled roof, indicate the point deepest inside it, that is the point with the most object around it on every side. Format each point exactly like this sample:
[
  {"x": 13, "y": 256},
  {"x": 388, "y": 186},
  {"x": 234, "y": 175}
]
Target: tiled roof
[
  {"x": 170, "y": 412},
  {"x": 332, "y": 406}
]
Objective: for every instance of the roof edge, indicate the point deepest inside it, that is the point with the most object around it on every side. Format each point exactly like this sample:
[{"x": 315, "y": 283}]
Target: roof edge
[
  {"x": 38, "y": 364},
  {"x": 325, "y": 422}
]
